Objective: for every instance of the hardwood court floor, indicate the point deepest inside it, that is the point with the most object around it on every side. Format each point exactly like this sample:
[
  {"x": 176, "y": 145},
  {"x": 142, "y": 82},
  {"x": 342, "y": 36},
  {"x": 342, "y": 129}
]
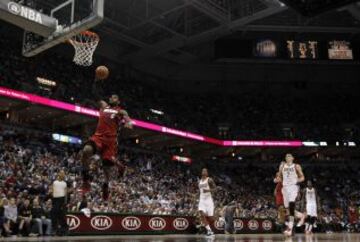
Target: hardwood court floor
[{"x": 198, "y": 238}]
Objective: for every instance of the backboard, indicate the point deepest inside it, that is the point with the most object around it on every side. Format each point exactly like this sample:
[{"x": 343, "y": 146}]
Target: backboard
[{"x": 73, "y": 17}]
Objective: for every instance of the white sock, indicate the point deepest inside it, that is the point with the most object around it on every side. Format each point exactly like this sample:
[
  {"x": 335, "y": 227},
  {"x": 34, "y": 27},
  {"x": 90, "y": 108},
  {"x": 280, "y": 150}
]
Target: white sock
[
  {"x": 291, "y": 222},
  {"x": 306, "y": 226},
  {"x": 310, "y": 228},
  {"x": 208, "y": 228}
]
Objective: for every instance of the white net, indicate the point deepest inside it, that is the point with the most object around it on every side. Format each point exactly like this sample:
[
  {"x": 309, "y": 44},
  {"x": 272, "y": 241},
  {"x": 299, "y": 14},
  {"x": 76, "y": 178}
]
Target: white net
[{"x": 85, "y": 44}]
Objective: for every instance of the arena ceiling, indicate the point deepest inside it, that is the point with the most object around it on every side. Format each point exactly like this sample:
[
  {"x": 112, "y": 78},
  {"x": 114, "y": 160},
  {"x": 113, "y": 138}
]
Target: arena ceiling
[
  {"x": 173, "y": 39},
  {"x": 183, "y": 31},
  {"x": 178, "y": 34}
]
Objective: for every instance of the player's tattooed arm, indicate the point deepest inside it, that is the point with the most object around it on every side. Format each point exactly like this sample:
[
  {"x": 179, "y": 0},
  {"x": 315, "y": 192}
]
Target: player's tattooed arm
[
  {"x": 318, "y": 205},
  {"x": 279, "y": 177},
  {"x": 212, "y": 186},
  {"x": 300, "y": 173},
  {"x": 124, "y": 114},
  {"x": 97, "y": 92},
  {"x": 102, "y": 104},
  {"x": 303, "y": 200}
]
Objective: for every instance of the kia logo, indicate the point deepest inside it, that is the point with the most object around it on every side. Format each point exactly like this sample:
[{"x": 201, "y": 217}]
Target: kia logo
[
  {"x": 219, "y": 224},
  {"x": 238, "y": 224},
  {"x": 14, "y": 8},
  {"x": 267, "y": 225},
  {"x": 157, "y": 223},
  {"x": 180, "y": 223},
  {"x": 253, "y": 224},
  {"x": 72, "y": 221},
  {"x": 101, "y": 222},
  {"x": 131, "y": 223}
]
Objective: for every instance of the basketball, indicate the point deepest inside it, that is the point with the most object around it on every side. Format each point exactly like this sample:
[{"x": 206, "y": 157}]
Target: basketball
[{"x": 102, "y": 72}]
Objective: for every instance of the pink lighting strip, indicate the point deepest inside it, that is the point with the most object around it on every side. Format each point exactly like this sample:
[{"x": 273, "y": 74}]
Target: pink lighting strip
[{"x": 146, "y": 125}]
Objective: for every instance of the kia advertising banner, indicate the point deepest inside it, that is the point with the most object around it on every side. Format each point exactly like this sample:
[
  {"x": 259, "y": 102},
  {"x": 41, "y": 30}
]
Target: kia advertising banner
[{"x": 150, "y": 224}]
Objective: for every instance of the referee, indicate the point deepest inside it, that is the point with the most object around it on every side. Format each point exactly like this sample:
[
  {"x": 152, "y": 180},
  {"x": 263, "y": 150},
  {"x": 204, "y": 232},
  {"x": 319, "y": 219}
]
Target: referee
[
  {"x": 59, "y": 192},
  {"x": 228, "y": 213}
]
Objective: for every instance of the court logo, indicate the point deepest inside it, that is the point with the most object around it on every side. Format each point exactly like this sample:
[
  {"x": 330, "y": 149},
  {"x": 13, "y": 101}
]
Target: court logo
[
  {"x": 131, "y": 223},
  {"x": 25, "y": 12},
  {"x": 238, "y": 224},
  {"x": 14, "y": 8},
  {"x": 72, "y": 221},
  {"x": 219, "y": 224},
  {"x": 253, "y": 224},
  {"x": 157, "y": 223},
  {"x": 101, "y": 222},
  {"x": 267, "y": 225},
  {"x": 180, "y": 223}
]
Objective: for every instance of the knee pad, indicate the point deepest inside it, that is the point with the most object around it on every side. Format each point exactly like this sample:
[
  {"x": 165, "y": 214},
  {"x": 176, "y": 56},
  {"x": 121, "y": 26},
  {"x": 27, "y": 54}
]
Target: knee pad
[
  {"x": 312, "y": 220},
  {"x": 292, "y": 208}
]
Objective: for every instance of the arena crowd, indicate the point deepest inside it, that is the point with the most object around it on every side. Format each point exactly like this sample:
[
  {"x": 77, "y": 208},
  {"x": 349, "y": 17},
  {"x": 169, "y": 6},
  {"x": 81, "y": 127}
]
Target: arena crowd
[{"x": 29, "y": 165}]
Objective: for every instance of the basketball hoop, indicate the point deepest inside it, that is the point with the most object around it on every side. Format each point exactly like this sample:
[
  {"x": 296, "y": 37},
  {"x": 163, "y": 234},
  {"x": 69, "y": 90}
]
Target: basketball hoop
[{"x": 85, "y": 44}]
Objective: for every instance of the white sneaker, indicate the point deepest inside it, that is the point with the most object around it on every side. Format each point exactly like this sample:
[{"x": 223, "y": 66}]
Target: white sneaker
[
  {"x": 288, "y": 232},
  {"x": 301, "y": 222},
  {"x": 209, "y": 233}
]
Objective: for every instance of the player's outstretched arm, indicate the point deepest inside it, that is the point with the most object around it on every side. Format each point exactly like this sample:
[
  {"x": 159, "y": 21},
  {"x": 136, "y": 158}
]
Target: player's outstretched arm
[
  {"x": 300, "y": 173},
  {"x": 128, "y": 123},
  {"x": 97, "y": 91}
]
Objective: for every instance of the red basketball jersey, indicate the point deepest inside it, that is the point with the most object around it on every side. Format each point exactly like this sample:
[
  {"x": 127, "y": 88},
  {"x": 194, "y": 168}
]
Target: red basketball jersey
[{"x": 109, "y": 121}]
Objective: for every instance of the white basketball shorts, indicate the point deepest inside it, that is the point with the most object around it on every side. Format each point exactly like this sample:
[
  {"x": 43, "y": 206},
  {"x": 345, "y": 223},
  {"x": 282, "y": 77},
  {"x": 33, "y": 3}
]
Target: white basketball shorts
[
  {"x": 207, "y": 206},
  {"x": 290, "y": 193}
]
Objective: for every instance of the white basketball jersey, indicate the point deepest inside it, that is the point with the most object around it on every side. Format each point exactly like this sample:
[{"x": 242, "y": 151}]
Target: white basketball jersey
[
  {"x": 204, "y": 185},
  {"x": 289, "y": 175},
  {"x": 310, "y": 196}
]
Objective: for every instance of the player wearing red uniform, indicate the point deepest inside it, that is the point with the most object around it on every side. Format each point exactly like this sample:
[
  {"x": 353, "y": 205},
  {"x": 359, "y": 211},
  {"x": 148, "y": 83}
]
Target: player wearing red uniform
[
  {"x": 104, "y": 141},
  {"x": 279, "y": 200}
]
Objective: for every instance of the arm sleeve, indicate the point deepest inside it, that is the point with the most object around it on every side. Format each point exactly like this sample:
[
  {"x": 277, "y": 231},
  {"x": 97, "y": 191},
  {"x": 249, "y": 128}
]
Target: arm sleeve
[{"x": 97, "y": 90}]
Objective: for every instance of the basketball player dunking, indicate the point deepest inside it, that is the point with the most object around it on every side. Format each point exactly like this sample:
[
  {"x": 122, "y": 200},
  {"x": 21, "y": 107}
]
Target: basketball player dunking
[
  {"x": 104, "y": 141},
  {"x": 206, "y": 204},
  {"x": 291, "y": 175}
]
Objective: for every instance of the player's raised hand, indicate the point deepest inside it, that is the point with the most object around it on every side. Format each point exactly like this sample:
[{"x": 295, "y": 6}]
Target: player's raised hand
[{"x": 128, "y": 125}]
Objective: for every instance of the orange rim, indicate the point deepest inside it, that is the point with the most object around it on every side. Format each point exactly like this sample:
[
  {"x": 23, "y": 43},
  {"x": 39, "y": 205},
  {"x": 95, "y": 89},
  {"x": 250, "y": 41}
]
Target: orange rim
[{"x": 86, "y": 33}]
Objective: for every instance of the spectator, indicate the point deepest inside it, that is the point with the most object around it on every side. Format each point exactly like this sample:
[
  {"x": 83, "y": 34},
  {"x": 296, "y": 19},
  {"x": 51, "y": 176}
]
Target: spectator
[
  {"x": 11, "y": 217},
  {"x": 40, "y": 220},
  {"x": 3, "y": 202},
  {"x": 25, "y": 218}
]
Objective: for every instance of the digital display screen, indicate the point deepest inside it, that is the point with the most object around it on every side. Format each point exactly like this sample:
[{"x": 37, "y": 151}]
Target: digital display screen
[
  {"x": 340, "y": 50},
  {"x": 302, "y": 49},
  {"x": 265, "y": 48},
  {"x": 181, "y": 159},
  {"x": 66, "y": 139}
]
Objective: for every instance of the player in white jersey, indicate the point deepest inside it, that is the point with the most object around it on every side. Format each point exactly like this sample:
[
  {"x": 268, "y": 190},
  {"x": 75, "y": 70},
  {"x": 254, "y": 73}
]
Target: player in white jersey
[
  {"x": 311, "y": 199},
  {"x": 206, "y": 204},
  {"x": 291, "y": 175}
]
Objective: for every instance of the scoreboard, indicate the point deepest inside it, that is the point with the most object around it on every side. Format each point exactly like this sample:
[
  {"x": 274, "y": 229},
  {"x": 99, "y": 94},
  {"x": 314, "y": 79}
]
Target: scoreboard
[
  {"x": 288, "y": 49},
  {"x": 302, "y": 49}
]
